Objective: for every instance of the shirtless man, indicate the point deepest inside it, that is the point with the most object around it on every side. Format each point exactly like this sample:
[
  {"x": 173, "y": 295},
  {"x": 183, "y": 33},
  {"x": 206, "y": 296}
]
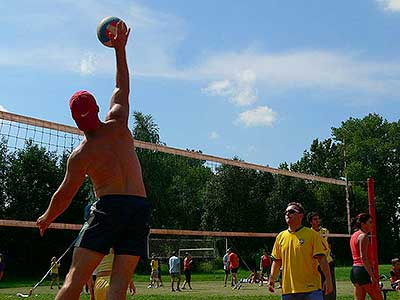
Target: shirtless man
[{"x": 119, "y": 219}]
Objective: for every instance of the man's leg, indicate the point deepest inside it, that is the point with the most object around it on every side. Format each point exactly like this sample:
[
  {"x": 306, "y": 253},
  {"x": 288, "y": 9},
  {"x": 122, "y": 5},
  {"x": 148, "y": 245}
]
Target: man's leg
[
  {"x": 84, "y": 261},
  {"x": 122, "y": 272},
  {"x": 179, "y": 282},
  {"x": 172, "y": 283}
]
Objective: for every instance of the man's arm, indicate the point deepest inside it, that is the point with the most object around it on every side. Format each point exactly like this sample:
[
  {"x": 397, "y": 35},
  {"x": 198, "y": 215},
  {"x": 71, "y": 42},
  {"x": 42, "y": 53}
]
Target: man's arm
[
  {"x": 74, "y": 177},
  {"x": 276, "y": 265},
  {"x": 119, "y": 105},
  {"x": 323, "y": 263}
]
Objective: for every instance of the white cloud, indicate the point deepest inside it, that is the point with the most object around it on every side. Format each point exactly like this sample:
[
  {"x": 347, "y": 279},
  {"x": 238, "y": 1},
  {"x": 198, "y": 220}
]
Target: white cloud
[
  {"x": 214, "y": 135},
  {"x": 260, "y": 116},
  {"x": 218, "y": 88},
  {"x": 240, "y": 89},
  {"x": 390, "y": 5},
  {"x": 153, "y": 40},
  {"x": 152, "y": 50},
  {"x": 305, "y": 69},
  {"x": 2, "y": 108},
  {"x": 88, "y": 64}
]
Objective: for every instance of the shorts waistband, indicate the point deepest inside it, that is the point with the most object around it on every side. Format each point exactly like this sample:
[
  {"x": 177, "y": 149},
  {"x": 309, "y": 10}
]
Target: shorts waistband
[{"x": 122, "y": 196}]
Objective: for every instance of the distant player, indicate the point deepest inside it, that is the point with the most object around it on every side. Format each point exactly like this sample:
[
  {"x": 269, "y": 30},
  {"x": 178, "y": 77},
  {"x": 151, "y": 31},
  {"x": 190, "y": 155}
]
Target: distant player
[
  {"x": 225, "y": 261},
  {"x": 395, "y": 274},
  {"x": 154, "y": 282},
  {"x": 265, "y": 266},
  {"x": 187, "y": 270},
  {"x": 2, "y": 265},
  {"x": 55, "y": 266},
  {"x": 175, "y": 271},
  {"x": 234, "y": 267}
]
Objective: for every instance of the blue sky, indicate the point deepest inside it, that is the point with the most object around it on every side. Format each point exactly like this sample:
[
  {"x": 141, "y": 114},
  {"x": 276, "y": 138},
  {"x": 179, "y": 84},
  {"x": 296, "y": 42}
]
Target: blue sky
[{"x": 254, "y": 79}]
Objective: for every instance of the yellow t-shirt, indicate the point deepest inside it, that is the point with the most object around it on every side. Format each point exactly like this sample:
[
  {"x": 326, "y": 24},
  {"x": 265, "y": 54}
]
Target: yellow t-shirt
[
  {"x": 101, "y": 287},
  {"x": 54, "y": 267},
  {"x": 106, "y": 263},
  {"x": 297, "y": 250},
  {"x": 323, "y": 232},
  {"x": 154, "y": 265}
]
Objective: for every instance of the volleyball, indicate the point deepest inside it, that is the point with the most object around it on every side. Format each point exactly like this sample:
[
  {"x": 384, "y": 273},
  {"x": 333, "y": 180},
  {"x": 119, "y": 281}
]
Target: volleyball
[{"x": 106, "y": 27}]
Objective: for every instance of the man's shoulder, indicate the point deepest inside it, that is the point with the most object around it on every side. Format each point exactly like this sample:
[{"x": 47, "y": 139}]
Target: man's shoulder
[{"x": 283, "y": 233}]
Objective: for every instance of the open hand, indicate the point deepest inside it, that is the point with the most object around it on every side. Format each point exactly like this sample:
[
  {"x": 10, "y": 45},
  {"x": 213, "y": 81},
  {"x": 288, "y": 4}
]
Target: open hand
[{"x": 120, "y": 38}]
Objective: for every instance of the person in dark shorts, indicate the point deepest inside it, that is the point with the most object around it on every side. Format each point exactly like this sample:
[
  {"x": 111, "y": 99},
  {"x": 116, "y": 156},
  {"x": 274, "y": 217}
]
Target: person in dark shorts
[
  {"x": 225, "y": 261},
  {"x": 187, "y": 270},
  {"x": 55, "y": 267},
  {"x": 159, "y": 271},
  {"x": 362, "y": 275},
  {"x": 119, "y": 219},
  {"x": 233, "y": 259},
  {"x": 265, "y": 266},
  {"x": 175, "y": 271}
]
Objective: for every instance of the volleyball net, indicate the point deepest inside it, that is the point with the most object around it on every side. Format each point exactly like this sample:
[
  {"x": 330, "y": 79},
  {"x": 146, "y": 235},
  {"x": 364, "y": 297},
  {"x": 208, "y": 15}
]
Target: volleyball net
[{"x": 192, "y": 194}]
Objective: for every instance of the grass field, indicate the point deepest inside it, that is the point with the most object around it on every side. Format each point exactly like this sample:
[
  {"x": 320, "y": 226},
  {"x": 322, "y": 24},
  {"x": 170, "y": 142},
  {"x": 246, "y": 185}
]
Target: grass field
[{"x": 205, "y": 286}]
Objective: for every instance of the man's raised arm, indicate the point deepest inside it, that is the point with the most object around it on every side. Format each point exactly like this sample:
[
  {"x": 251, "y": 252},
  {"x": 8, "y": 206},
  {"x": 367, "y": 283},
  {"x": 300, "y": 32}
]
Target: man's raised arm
[{"x": 119, "y": 106}]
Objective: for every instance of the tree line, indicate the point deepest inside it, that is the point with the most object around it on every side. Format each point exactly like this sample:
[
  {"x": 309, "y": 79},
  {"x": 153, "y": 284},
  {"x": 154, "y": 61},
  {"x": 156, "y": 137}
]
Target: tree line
[{"x": 186, "y": 193}]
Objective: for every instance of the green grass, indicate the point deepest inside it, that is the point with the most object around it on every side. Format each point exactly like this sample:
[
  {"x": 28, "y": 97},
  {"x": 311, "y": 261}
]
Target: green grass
[{"x": 205, "y": 287}]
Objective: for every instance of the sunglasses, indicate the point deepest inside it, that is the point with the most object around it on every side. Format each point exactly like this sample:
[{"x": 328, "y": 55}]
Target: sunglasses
[{"x": 291, "y": 212}]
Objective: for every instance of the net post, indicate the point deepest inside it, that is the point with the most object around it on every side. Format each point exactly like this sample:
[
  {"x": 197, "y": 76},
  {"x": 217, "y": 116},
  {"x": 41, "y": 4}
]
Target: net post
[{"x": 372, "y": 212}]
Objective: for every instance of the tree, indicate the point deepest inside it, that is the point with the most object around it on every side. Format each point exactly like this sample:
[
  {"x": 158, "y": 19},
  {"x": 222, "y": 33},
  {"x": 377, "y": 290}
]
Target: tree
[
  {"x": 145, "y": 129},
  {"x": 373, "y": 146}
]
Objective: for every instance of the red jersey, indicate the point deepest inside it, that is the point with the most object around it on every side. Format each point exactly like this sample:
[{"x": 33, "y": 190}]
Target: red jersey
[
  {"x": 187, "y": 263},
  {"x": 265, "y": 261},
  {"x": 233, "y": 261},
  {"x": 355, "y": 249},
  {"x": 394, "y": 275}
]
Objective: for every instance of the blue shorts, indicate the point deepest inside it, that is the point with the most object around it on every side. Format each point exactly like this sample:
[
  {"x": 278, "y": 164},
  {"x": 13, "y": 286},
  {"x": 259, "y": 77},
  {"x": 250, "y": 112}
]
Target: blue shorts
[
  {"x": 117, "y": 221},
  {"x": 314, "y": 295}
]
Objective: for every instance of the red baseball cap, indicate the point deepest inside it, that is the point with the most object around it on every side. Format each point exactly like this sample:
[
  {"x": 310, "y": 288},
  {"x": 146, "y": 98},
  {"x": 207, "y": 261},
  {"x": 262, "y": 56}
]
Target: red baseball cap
[{"x": 84, "y": 111}]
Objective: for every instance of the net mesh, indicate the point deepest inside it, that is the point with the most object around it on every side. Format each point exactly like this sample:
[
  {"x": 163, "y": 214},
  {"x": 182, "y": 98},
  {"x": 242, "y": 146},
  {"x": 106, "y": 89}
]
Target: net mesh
[
  {"x": 177, "y": 181},
  {"x": 16, "y": 135},
  {"x": 173, "y": 166}
]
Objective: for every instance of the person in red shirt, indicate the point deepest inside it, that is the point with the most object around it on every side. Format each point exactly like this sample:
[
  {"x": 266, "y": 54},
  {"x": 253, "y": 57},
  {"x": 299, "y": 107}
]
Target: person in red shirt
[
  {"x": 265, "y": 266},
  {"x": 187, "y": 269},
  {"x": 395, "y": 274},
  {"x": 233, "y": 266},
  {"x": 362, "y": 275}
]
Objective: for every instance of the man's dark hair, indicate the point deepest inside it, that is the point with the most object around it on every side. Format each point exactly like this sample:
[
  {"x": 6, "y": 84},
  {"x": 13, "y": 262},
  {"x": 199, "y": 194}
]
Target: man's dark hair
[
  {"x": 298, "y": 205},
  {"x": 311, "y": 215}
]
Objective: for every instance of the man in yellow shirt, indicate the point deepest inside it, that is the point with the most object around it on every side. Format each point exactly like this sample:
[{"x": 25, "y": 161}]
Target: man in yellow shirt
[
  {"x": 299, "y": 250},
  {"x": 154, "y": 282},
  {"x": 54, "y": 272},
  {"x": 102, "y": 283},
  {"x": 315, "y": 222}
]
